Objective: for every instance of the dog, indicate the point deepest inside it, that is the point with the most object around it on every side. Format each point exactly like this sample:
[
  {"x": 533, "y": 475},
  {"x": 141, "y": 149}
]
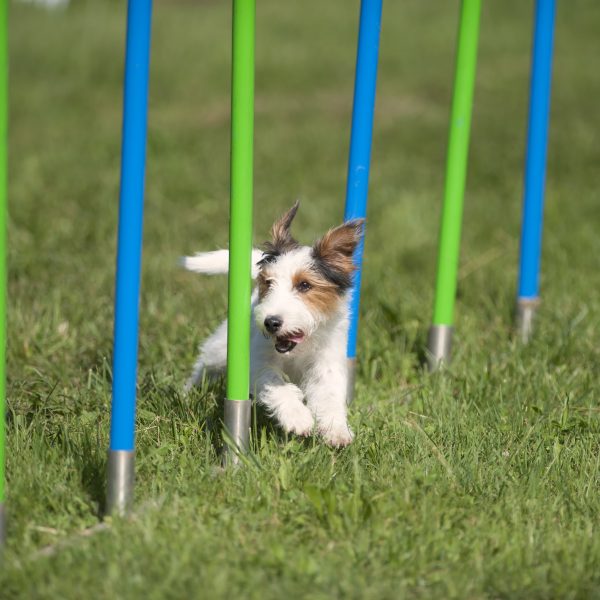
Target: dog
[{"x": 299, "y": 330}]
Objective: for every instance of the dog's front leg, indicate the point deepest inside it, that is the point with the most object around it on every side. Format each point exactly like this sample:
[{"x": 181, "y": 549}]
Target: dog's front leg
[
  {"x": 283, "y": 401},
  {"x": 326, "y": 397}
]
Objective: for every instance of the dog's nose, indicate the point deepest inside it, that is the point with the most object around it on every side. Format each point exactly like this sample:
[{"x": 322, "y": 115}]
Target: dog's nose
[{"x": 273, "y": 324}]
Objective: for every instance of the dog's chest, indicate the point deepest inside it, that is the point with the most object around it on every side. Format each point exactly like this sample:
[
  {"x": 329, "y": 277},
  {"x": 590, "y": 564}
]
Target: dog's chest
[{"x": 295, "y": 368}]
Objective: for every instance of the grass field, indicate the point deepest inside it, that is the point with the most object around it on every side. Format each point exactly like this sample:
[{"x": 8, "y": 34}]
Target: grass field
[{"x": 479, "y": 482}]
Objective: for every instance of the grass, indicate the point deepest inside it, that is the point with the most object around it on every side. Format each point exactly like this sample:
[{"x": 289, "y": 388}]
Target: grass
[{"x": 479, "y": 482}]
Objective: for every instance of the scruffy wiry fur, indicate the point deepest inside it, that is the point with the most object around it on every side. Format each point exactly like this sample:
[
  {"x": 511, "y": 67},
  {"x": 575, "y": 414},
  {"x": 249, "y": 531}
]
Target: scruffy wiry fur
[{"x": 298, "y": 368}]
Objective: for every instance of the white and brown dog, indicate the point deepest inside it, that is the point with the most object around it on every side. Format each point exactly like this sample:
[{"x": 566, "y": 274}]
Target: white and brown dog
[{"x": 298, "y": 369}]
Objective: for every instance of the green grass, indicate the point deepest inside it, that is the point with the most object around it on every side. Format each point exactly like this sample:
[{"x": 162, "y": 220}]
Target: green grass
[{"x": 480, "y": 482}]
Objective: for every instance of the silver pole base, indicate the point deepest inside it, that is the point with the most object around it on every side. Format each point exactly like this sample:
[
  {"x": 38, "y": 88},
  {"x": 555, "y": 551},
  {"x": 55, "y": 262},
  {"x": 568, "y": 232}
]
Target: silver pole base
[
  {"x": 526, "y": 309},
  {"x": 2, "y": 525},
  {"x": 351, "y": 362},
  {"x": 121, "y": 473},
  {"x": 439, "y": 344},
  {"x": 237, "y": 426}
]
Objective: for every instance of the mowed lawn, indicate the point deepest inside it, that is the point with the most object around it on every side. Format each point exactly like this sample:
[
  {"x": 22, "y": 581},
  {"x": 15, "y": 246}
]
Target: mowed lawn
[{"x": 478, "y": 482}]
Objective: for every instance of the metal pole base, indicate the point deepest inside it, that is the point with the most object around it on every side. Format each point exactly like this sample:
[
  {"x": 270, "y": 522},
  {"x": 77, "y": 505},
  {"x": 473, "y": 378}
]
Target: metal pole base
[
  {"x": 526, "y": 309},
  {"x": 121, "y": 472},
  {"x": 439, "y": 344},
  {"x": 351, "y": 362},
  {"x": 237, "y": 425},
  {"x": 2, "y": 526}
]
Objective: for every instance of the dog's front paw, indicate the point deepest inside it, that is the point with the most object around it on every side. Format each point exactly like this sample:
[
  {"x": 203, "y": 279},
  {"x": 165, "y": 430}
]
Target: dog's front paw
[
  {"x": 292, "y": 414},
  {"x": 337, "y": 436},
  {"x": 284, "y": 403},
  {"x": 301, "y": 424}
]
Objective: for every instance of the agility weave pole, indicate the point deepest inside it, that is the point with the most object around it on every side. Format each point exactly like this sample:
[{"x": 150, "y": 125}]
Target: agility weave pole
[
  {"x": 129, "y": 256},
  {"x": 359, "y": 161},
  {"x": 535, "y": 166},
  {"x": 237, "y": 401},
  {"x": 440, "y": 333},
  {"x": 3, "y": 226}
]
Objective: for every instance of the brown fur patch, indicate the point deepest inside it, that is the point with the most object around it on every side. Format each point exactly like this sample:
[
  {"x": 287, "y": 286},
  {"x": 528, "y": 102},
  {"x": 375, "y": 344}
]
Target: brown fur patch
[
  {"x": 263, "y": 285},
  {"x": 333, "y": 252},
  {"x": 323, "y": 296}
]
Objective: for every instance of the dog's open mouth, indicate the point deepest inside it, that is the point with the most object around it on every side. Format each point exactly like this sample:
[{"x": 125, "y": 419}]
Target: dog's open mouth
[{"x": 286, "y": 343}]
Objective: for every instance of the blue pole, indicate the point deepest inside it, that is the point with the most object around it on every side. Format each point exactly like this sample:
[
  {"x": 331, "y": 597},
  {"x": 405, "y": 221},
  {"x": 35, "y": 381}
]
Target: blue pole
[
  {"x": 535, "y": 167},
  {"x": 129, "y": 254},
  {"x": 357, "y": 185}
]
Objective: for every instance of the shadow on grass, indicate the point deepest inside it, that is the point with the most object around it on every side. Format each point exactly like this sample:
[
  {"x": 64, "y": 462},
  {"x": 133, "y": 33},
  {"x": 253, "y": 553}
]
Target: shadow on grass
[
  {"x": 203, "y": 408},
  {"x": 207, "y": 402},
  {"x": 91, "y": 460}
]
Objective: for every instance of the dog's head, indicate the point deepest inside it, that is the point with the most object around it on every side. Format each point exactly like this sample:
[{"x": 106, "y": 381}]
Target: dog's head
[{"x": 302, "y": 287}]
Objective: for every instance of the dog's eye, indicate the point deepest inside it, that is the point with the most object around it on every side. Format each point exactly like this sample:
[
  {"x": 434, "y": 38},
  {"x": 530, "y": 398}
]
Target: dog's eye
[
  {"x": 303, "y": 286},
  {"x": 269, "y": 282}
]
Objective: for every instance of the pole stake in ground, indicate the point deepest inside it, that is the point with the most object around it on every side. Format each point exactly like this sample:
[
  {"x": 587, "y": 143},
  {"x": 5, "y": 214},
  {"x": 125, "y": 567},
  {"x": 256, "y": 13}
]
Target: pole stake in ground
[
  {"x": 129, "y": 257},
  {"x": 440, "y": 333},
  {"x": 535, "y": 167},
  {"x": 237, "y": 402},
  {"x": 3, "y": 225},
  {"x": 359, "y": 162}
]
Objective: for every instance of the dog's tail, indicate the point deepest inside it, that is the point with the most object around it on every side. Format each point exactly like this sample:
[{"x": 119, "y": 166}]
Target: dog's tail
[{"x": 216, "y": 262}]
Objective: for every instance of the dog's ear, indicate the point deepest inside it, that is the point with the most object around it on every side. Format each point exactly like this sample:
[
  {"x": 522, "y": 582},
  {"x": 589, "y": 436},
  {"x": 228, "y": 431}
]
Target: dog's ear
[
  {"x": 338, "y": 244},
  {"x": 333, "y": 252},
  {"x": 280, "y": 232}
]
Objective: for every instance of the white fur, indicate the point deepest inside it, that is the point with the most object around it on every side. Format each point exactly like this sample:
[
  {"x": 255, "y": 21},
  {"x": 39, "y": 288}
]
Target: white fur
[
  {"x": 217, "y": 262},
  {"x": 306, "y": 386}
]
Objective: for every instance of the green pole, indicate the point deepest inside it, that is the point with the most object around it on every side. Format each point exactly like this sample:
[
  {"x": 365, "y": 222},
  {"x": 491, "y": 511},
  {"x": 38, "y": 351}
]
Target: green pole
[
  {"x": 3, "y": 212},
  {"x": 440, "y": 334},
  {"x": 237, "y": 404}
]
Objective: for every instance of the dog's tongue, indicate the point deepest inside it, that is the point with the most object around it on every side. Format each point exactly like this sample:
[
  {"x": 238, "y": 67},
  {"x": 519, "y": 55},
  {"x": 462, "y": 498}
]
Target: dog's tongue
[
  {"x": 284, "y": 345},
  {"x": 288, "y": 343}
]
